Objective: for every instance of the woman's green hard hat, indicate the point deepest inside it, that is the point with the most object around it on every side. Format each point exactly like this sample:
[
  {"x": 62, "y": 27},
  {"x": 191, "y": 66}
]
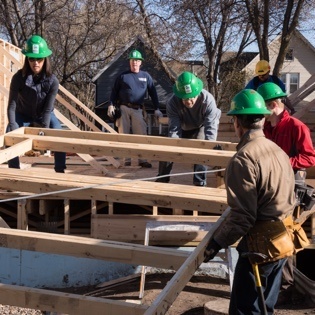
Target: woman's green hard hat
[
  {"x": 248, "y": 102},
  {"x": 270, "y": 91},
  {"x": 187, "y": 85},
  {"x": 36, "y": 47}
]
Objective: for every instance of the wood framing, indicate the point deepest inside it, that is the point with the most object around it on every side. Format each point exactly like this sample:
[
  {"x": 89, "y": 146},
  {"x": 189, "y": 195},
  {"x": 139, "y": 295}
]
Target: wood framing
[
  {"x": 185, "y": 264},
  {"x": 131, "y": 229},
  {"x": 74, "y": 186},
  {"x": 71, "y": 304},
  {"x": 95, "y": 143}
]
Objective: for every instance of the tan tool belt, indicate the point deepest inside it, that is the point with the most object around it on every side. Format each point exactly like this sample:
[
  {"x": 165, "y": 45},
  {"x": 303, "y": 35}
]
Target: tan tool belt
[
  {"x": 272, "y": 239},
  {"x": 297, "y": 234}
]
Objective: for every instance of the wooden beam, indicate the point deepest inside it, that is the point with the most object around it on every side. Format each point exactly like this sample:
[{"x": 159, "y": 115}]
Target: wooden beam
[
  {"x": 124, "y": 149},
  {"x": 87, "y": 110},
  {"x": 301, "y": 112},
  {"x": 67, "y": 303},
  {"x": 205, "y": 199},
  {"x": 131, "y": 138},
  {"x": 92, "y": 248},
  {"x": 131, "y": 228},
  {"x": 18, "y": 149}
]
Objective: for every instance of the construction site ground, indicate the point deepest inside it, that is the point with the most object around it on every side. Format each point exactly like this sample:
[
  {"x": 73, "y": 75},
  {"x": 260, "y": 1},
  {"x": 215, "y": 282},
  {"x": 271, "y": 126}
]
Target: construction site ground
[{"x": 201, "y": 289}]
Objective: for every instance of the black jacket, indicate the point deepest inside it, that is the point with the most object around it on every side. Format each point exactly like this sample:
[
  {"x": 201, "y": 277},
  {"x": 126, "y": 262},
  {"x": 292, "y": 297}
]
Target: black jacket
[{"x": 32, "y": 97}]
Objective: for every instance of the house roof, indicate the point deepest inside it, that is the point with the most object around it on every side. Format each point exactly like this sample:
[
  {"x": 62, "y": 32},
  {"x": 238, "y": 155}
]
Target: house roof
[
  {"x": 296, "y": 33},
  {"x": 117, "y": 56}
]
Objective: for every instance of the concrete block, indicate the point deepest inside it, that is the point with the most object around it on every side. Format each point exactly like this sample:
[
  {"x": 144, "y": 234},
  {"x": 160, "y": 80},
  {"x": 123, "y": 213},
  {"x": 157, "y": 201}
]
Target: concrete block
[{"x": 217, "y": 307}]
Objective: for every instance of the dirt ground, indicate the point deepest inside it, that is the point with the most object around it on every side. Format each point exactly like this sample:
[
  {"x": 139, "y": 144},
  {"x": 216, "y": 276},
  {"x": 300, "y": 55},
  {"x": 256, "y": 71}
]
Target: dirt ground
[{"x": 199, "y": 290}]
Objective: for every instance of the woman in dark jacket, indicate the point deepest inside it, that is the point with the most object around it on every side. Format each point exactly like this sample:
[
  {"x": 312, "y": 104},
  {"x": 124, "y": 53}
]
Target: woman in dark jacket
[{"x": 33, "y": 91}]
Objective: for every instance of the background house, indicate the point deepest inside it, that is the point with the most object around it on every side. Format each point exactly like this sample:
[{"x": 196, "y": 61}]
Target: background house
[{"x": 298, "y": 65}]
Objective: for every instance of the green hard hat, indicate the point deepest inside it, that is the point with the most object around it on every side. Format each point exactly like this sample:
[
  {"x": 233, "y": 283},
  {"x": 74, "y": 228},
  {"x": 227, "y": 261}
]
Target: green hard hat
[
  {"x": 36, "y": 47},
  {"x": 248, "y": 102},
  {"x": 135, "y": 54},
  {"x": 270, "y": 91},
  {"x": 187, "y": 85}
]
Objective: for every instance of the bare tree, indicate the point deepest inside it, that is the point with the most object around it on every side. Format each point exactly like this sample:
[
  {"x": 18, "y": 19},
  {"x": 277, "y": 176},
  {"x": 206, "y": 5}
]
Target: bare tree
[{"x": 270, "y": 17}]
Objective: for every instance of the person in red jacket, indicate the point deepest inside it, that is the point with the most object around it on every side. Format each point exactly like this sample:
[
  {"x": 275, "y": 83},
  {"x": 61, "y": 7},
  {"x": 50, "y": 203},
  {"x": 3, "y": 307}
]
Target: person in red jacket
[
  {"x": 294, "y": 137},
  {"x": 288, "y": 132}
]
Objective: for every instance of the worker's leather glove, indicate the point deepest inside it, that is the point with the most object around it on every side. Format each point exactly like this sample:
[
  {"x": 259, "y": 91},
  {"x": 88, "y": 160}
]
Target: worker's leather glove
[
  {"x": 158, "y": 113},
  {"x": 211, "y": 250},
  {"x": 111, "y": 111}
]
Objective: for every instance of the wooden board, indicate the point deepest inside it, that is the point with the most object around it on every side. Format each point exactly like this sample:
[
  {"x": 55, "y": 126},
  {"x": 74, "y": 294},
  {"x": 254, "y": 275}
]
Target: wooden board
[
  {"x": 131, "y": 228},
  {"x": 74, "y": 186}
]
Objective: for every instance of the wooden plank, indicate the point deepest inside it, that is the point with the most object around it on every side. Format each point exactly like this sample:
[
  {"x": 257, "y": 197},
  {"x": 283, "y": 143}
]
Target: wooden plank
[
  {"x": 131, "y": 138},
  {"x": 301, "y": 112},
  {"x": 22, "y": 217},
  {"x": 124, "y": 149},
  {"x": 205, "y": 199},
  {"x": 91, "y": 248},
  {"x": 73, "y": 110},
  {"x": 131, "y": 228},
  {"x": 87, "y": 110},
  {"x": 168, "y": 295},
  {"x": 72, "y": 304},
  {"x": 18, "y": 149}
]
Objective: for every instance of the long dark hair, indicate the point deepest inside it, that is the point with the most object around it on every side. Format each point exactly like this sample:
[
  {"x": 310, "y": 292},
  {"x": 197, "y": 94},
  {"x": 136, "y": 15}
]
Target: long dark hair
[{"x": 26, "y": 69}]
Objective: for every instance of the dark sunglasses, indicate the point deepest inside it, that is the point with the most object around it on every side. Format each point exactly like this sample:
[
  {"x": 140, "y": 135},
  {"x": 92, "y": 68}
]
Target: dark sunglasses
[{"x": 35, "y": 59}]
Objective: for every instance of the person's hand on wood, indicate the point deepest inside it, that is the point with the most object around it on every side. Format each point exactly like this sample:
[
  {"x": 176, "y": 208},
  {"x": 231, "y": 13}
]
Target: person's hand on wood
[{"x": 211, "y": 250}]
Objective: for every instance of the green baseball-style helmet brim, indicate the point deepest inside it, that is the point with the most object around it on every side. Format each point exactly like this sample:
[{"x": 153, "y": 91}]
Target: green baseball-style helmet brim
[
  {"x": 270, "y": 91},
  {"x": 248, "y": 102},
  {"x": 187, "y": 85},
  {"x": 36, "y": 47}
]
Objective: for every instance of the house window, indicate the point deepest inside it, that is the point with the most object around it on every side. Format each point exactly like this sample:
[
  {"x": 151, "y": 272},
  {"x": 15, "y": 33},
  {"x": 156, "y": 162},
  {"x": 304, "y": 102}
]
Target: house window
[
  {"x": 291, "y": 81},
  {"x": 289, "y": 55}
]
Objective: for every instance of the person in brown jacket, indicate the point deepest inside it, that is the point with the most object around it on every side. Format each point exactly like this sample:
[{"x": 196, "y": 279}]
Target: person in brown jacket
[{"x": 260, "y": 190}]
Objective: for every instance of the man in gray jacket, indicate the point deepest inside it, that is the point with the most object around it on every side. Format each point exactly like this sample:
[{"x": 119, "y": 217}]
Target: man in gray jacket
[{"x": 192, "y": 114}]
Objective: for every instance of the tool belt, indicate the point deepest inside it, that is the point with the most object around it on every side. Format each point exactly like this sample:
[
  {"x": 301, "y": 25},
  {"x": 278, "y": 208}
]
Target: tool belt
[
  {"x": 297, "y": 233},
  {"x": 270, "y": 238},
  {"x": 277, "y": 239},
  {"x": 133, "y": 106}
]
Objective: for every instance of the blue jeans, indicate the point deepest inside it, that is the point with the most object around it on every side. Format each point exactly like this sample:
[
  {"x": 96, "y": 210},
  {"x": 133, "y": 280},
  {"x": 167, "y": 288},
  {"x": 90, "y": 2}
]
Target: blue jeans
[
  {"x": 165, "y": 168},
  {"x": 244, "y": 296},
  {"x": 60, "y": 157}
]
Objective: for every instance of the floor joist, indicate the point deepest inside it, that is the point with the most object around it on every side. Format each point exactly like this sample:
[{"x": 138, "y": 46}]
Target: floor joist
[{"x": 204, "y": 199}]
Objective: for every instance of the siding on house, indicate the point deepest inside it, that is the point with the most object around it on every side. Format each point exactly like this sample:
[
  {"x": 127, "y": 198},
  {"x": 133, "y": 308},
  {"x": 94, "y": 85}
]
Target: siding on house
[{"x": 303, "y": 62}]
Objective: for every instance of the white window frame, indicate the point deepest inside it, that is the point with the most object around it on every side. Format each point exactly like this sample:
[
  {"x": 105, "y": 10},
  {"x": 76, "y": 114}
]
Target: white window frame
[{"x": 286, "y": 79}]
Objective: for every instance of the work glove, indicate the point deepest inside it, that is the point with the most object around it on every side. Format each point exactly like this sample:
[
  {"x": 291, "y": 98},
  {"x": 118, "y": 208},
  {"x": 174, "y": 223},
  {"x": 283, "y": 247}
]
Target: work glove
[
  {"x": 211, "y": 250},
  {"x": 158, "y": 113},
  {"x": 111, "y": 111}
]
